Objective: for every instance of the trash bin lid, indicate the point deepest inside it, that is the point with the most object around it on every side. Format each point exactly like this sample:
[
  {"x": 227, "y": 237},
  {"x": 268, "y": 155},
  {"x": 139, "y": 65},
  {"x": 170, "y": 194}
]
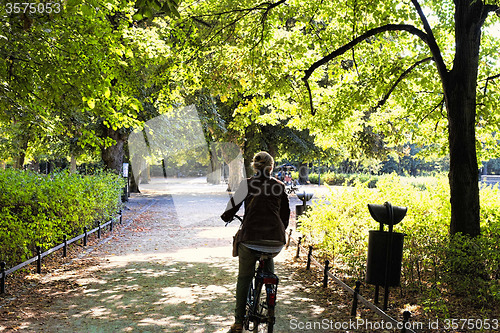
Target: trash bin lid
[
  {"x": 380, "y": 213},
  {"x": 305, "y": 195}
]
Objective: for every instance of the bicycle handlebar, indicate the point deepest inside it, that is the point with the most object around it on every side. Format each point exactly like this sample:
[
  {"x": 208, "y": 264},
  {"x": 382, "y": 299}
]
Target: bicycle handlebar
[{"x": 235, "y": 217}]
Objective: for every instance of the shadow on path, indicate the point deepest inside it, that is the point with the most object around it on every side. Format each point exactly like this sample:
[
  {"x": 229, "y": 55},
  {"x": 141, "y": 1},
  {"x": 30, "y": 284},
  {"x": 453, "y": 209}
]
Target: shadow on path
[{"x": 159, "y": 275}]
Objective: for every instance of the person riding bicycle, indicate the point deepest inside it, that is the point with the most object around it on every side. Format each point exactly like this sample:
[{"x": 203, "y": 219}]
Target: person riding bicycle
[{"x": 265, "y": 220}]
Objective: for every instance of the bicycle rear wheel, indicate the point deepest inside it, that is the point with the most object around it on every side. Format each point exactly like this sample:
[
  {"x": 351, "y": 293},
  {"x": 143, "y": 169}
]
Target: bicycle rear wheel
[
  {"x": 259, "y": 315},
  {"x": 250, "y": 322},
  {"x": 266, "y": 311},
  {"x": 261, "y": 319},
  {"x": 261, "y": 302}
]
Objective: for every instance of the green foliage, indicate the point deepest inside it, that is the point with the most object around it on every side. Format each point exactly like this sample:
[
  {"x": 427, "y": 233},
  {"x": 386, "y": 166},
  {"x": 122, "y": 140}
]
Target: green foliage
[
  {"x": 341, "y": 179},
  {"x": 39, "y": 210},
  {"x": 67, "y": 78},
  {"x": 338, "y": 228}
]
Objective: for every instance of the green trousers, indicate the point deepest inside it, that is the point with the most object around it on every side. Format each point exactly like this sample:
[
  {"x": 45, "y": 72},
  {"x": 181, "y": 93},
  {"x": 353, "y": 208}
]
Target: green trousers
[{"x": 247, "y": 260}]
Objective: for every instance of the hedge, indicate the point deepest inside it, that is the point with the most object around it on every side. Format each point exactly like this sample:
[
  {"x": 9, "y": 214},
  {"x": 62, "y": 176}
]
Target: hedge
[
  {"x": 39, "y": 210},
  {"x": 340, "y": 179}
]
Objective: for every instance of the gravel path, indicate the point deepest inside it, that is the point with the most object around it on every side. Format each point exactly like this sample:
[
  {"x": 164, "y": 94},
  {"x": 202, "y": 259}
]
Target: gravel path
[{"x": 169, "y": 270}]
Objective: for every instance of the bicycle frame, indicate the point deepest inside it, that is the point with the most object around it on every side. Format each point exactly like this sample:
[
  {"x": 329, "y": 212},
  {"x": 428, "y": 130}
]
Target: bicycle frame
[{"x": 261, "y": 311}]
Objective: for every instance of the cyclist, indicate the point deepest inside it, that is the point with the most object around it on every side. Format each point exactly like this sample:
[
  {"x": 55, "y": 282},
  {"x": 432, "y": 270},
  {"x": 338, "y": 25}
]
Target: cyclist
[{"x": 266, "y": 217}]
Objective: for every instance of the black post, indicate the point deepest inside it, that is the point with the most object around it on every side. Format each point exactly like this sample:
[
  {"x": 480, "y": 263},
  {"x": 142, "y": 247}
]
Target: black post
[
  {"x": 85, "y": 236},
  {"x": 99, "y": 231},
  {"x": 121, "y": 216},
  {"x": 298, "y": 247},
  {"x": 325, "y": 274},
  {"x": 39, "y": 260},
  {"x": 406, "y": 319},
  {"x": 309, "y": 255},
  {"x": 65, "y": 248},
  {"x": 388, "y": 255},
  {"x": 289, "y": 237},
  {"x": 319, "y": 175},
  {"x": 2, "y": 278},
  {"x": 355, "y": 299},
  {"x": 377, "y": 287},
  {"x": 111, "y": 225}
]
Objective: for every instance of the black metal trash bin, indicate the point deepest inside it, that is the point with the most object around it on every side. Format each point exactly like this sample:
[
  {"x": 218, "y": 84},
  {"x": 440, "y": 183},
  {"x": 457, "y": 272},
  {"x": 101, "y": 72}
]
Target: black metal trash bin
[
  {"x": 385, "y": 249},
  {"x": 378, "y": 242},
  {"x": 304, "y": 196},
  {"x": 300, "y": 209}
]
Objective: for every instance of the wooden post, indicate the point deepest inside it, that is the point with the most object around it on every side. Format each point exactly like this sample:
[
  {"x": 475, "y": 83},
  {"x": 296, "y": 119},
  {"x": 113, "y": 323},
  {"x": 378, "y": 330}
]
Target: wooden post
[
  {"x": 298, "y": 247},
  {"x": 289, "y": 238},
  {"x": 65, "y": 247},
  {"x": 2, "y": 278},
  {"x": 39, "y": 260},
  {"x": 355, "y": 299},
  {"x": 406, "y": 321},
  {"x": 325, "y": 274},
  {"x": 309, "y": 255},
  {"x": 85, "y": 236}
]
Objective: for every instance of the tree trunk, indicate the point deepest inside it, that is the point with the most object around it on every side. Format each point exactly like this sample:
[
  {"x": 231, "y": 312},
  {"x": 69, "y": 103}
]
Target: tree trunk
[
  {"x": 73, "y": 164},
  {"x": 19, "y": 159},
  {"x": 303, "y": 173},
  {"x": 214, "y": 171},
  {"x": 164, "y": 171},
  {"x": 236, "y": 173},
  {"x": 112, "y": 156},
  {"x": 145, "y": 176},
  {"x": 233, "y": 158},
  {"x": 460, "y": 94},
  {"x": 134, "y": 187}
]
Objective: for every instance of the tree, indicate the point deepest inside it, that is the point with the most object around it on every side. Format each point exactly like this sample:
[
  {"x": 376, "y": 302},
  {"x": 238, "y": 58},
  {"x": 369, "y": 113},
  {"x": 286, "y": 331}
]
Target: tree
[
  {"x": 73, "y": 79},
  {"x": 369, "y": 72},
  {"x": 459, "y": 86}
]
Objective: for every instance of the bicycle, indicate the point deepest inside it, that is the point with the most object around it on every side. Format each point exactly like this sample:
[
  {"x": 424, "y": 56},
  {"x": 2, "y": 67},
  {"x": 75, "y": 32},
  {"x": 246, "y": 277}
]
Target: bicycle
[{"x": 260, "y": 309}]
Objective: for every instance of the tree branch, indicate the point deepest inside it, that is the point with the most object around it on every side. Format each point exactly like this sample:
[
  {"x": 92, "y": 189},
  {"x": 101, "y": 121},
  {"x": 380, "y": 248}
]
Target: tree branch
[
  {"x": 438, "y": 105},
  {"x": 492, "y": 77},
  {"x": 488, "y": 79},
  {"x": 431, "y": 42},
  {"x": 492, "y": 8},
  {"x": 265, "y": 6},
  {"x": 357, "y": 40},
  {"x": 388, "y": 27},
  {"x": 400, "y": 78}
]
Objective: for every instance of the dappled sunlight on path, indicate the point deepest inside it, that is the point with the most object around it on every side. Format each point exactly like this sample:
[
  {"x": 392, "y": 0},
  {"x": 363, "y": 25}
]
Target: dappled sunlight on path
[{"x": 157, "y": 275}]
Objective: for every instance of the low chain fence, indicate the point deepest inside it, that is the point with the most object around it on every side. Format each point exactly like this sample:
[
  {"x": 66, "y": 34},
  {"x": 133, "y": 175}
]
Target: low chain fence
[{"x": 64, "y": 245}]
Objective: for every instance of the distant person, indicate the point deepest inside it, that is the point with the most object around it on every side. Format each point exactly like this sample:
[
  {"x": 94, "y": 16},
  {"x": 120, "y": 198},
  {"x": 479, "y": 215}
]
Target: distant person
[
  {"x": 288, "y": 178},
  {"x": 266, "y": 217}
]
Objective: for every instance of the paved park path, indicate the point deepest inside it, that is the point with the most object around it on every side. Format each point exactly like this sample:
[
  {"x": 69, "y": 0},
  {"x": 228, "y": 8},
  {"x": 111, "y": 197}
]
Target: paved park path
[{"x": 169, "y": 269}]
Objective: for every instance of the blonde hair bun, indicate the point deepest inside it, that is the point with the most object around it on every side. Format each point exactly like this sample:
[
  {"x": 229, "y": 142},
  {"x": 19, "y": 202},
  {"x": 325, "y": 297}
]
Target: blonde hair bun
[{"x": 262, "y": 161}]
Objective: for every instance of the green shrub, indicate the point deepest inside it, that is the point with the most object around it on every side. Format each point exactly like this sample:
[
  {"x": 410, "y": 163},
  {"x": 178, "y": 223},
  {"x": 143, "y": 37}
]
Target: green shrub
[
  {"x": 38, "y": 210},
  {"x": 341, "y": 179},
  {"x": 338, "y": 227}
]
